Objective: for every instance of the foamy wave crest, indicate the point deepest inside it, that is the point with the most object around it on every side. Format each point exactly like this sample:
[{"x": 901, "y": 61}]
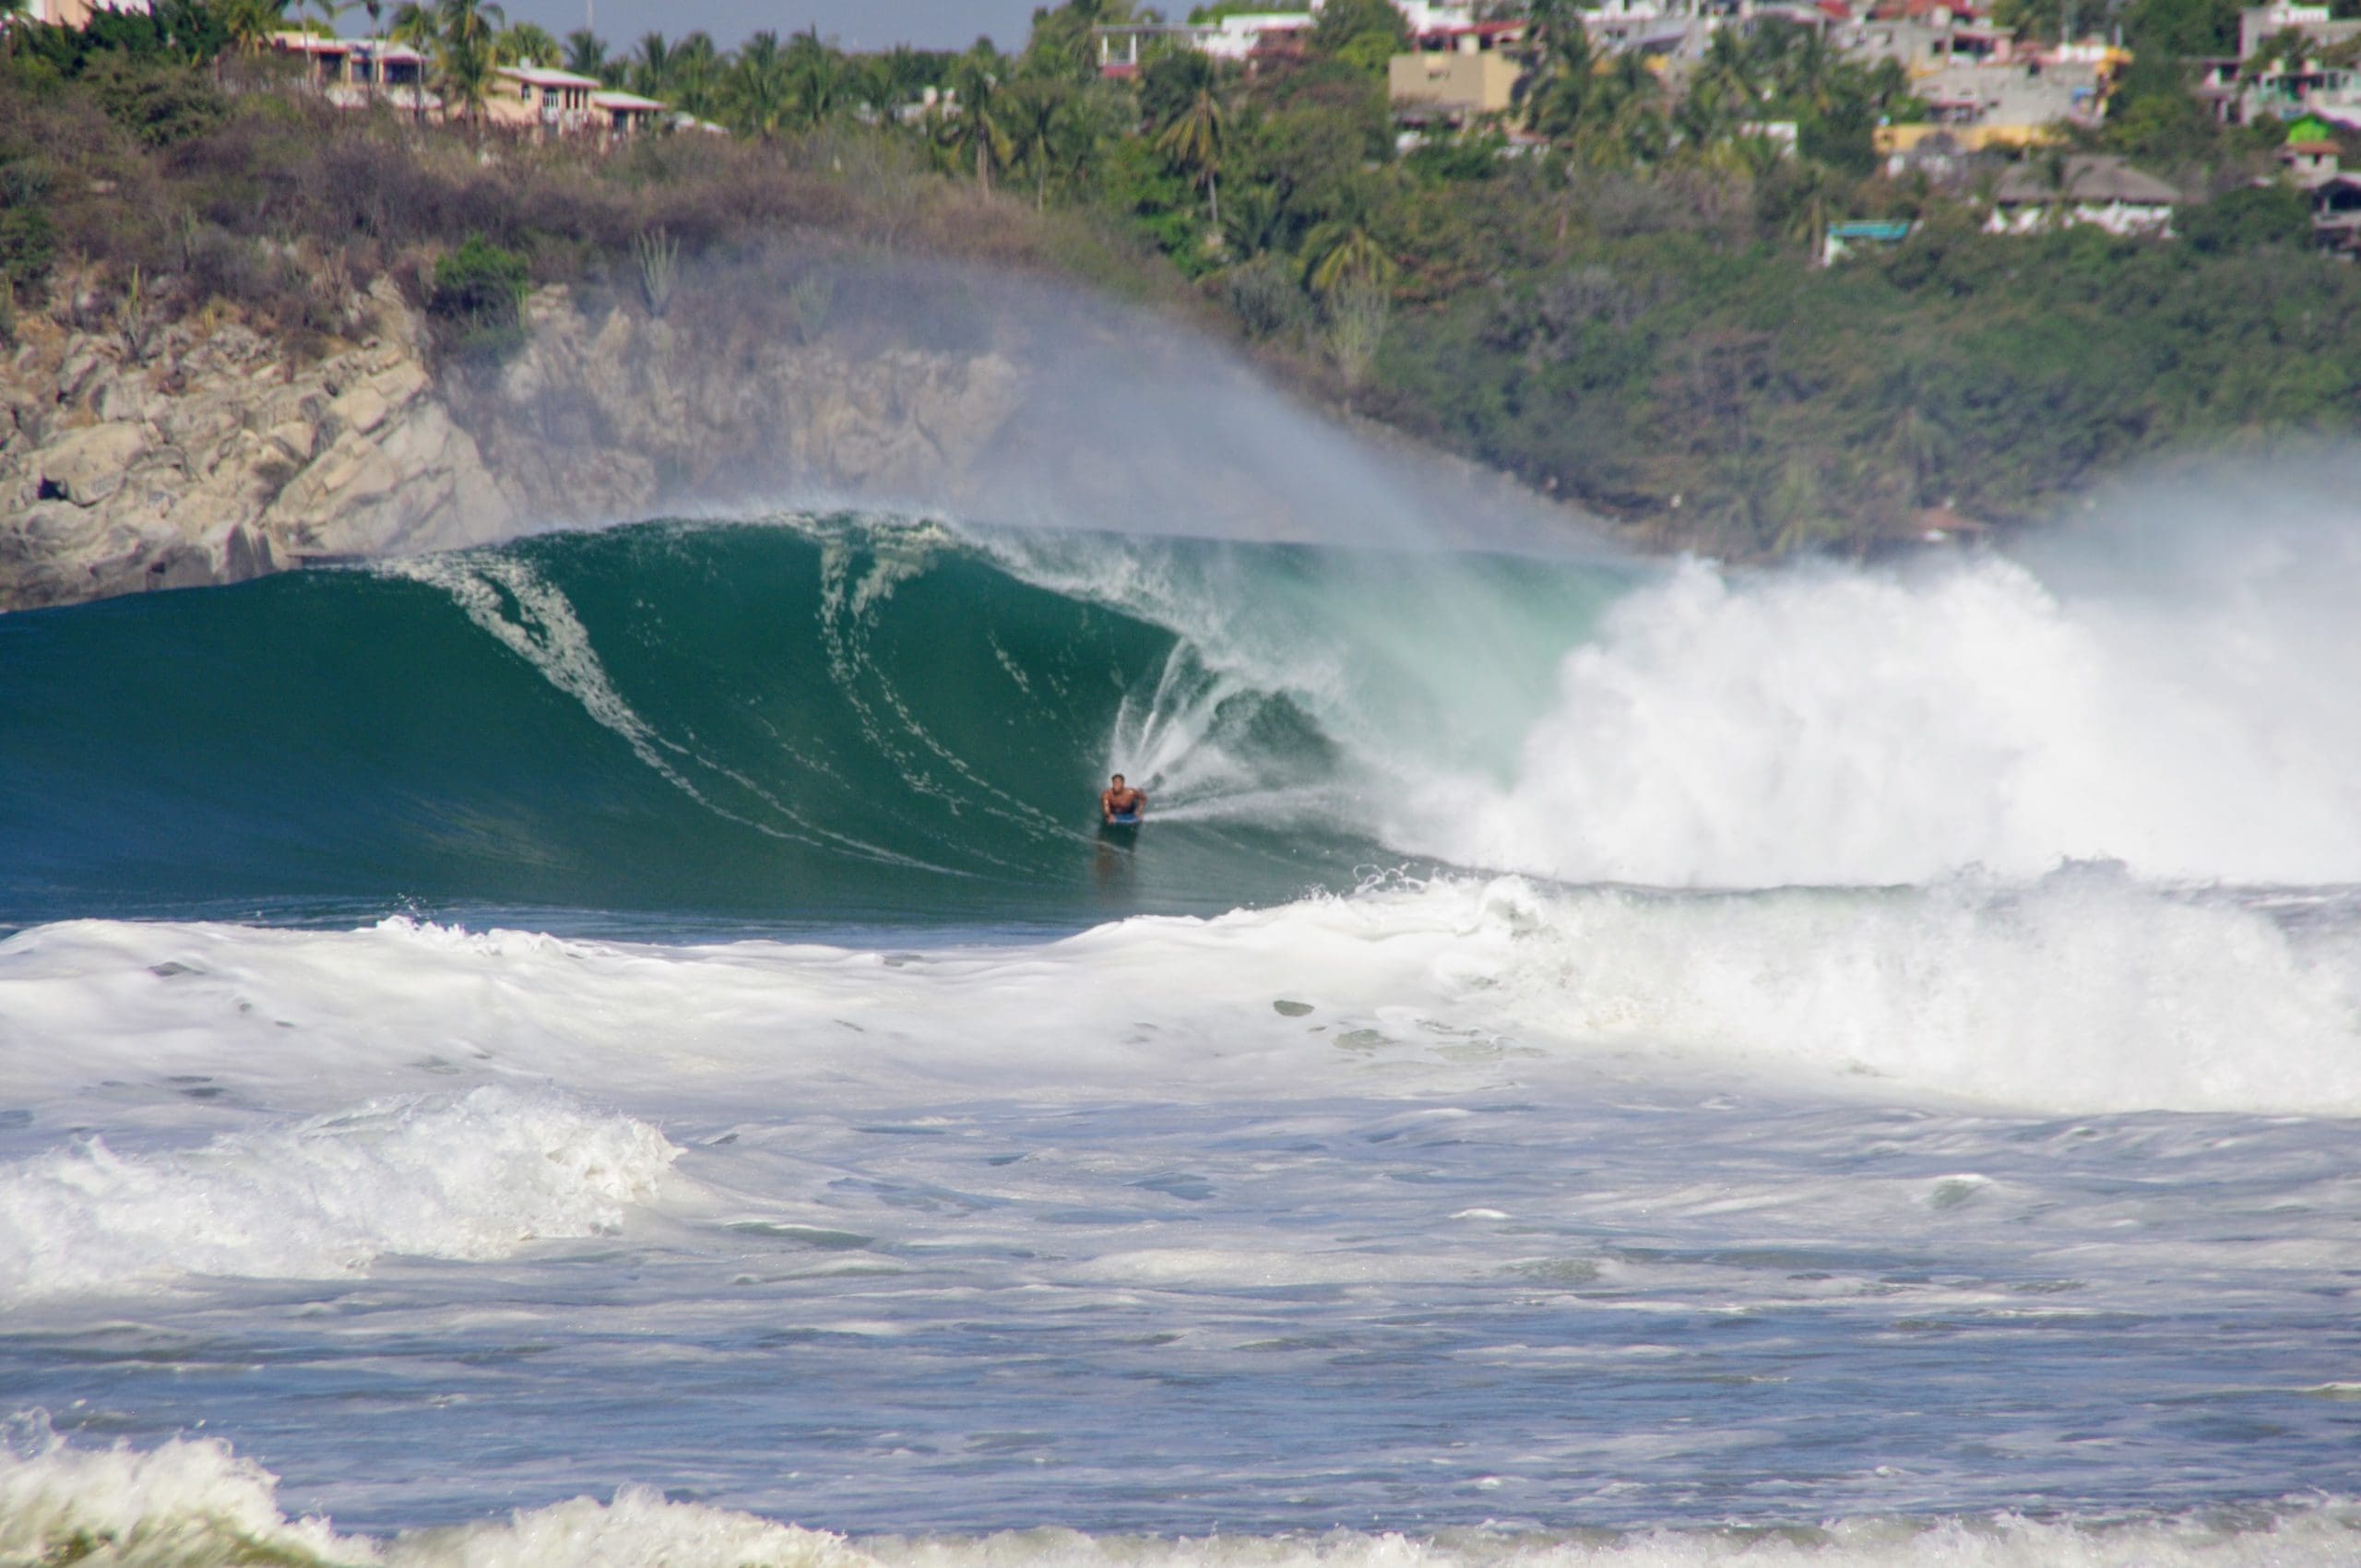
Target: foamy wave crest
[
  {"x": 2082, "y": 991},
  {"x": 1826, "y": 726},
  {"x": 473, "y": 1178},
  {"x": 189, "y": 1503},
  {"x": 186, "y": 1503},
  {"x": 197, "y": 1504}
]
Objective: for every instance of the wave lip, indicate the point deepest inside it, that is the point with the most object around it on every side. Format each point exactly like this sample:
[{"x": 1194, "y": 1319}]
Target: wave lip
[{"x": 471, "y": 1179}]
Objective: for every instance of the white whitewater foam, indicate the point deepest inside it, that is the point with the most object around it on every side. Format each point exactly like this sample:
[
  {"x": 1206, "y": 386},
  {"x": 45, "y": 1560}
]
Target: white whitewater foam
[
  {"x": 2084, "y": 990},
  {"x": 182, "y": 1501},
  {"x": 474, "y": 1178},
  {"x": 189, "y": 1502},
  {"x": 1837, "y": 726}
]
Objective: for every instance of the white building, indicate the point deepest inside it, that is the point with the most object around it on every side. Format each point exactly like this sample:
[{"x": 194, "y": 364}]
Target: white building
[{"x": 1242, "y": 36}]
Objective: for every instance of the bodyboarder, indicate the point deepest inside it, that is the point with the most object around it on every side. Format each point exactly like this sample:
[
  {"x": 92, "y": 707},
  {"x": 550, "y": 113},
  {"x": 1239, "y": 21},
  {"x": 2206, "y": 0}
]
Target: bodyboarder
[{"x": 1121, "y": 805}]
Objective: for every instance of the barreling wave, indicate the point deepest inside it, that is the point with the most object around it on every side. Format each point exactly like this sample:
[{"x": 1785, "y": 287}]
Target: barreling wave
[
  {"x": 831, "y": 720},
  {"x": 190, "y": 1503},
  {"x": 844, "y": 718}
]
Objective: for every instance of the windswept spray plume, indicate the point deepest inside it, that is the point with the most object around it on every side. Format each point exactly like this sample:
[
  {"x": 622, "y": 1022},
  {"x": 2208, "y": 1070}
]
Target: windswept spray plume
[{"x": 795, "y": 378}]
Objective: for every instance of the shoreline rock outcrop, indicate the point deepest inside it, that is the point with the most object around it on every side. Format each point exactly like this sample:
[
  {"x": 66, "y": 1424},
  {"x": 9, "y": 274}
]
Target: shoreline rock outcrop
[{"x": 210, "y": 454}]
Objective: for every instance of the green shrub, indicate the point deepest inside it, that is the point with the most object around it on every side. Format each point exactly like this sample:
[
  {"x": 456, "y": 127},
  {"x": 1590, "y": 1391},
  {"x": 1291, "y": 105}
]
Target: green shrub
[
  {"x": 162, "y": 104},
  {"x": 479, "y": 295},
  {"x": 2246, "y": 218},
  {"x": 28, "y": 237}
]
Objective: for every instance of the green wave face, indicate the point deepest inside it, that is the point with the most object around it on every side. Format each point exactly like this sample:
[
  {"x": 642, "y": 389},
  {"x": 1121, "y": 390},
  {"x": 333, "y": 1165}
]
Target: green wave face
[{"x": 829, "y": 724}]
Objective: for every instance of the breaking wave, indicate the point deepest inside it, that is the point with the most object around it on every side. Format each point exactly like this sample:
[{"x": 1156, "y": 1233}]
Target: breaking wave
[
  {"x": 476, "y": 1177},
  {"x": 188, "y": 1503}
]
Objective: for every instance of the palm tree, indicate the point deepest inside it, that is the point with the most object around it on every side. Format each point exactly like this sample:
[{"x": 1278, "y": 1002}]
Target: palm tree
[
  {"x": 474, "y": 23},
  {"x": 1343, "y": 251},
  {"x": 1726, "y": 78},
  {"x": 1811, "y": 71},
  {"x": 651, "y": 66},
  {"x": 527, "y": 43},
  {"x": 1038, "y": 111},
  {"x": 585, "y": 53},
  {"x": 868, "y": 81},
  {"x": 466, "y": 33},
  {"x": 1808, "y": 219},
  {"x": 1553, "y": 97},
  {"x": 974, "y": 127},
  {"x": 815, "y": 79},
  {"x": 694, "y": 73},
  {"x": 1633, "y": 131},
  {"x": 413, "y": 24},
  {"x": 757, "y": 96},
  {"x": 250, "y": 23},
  {"x": 1194, "y": 140}
]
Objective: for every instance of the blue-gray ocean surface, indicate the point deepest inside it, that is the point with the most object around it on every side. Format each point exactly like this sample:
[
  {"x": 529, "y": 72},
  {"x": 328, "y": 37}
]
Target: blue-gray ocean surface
[{"x": 632, "y": 1048}]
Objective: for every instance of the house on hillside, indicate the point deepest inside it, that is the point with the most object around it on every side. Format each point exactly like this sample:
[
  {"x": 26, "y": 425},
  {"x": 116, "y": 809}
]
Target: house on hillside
[
  {"x": 2309, "y": 161},
  {"x": 2267, "y": 77},
  {"x": 1458, "y": 72},
  {"x": 2259, "y": 25},
  {"x": 77, "y": 14},
  {"x": 2336, "y": 214},
  {"x": 1247, "y": 38},
  {"x": 1244, "y": 38},
  {"x": 626, "y": 113},
  {"x": 2007, "y": 95},
  {"x": 541, "y": 100},
  {"x": 2105, "y": 192},
  {"x": 2313, "y": 163},
  {"x": 352, "y": 73}
]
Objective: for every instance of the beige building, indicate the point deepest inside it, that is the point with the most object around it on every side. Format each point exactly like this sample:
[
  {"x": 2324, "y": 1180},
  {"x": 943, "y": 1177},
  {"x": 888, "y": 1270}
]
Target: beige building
[
  {"x": 77, "y": 14},
  {"x": 1458, "y": 71},
  {"x": 528, "y": 98}
]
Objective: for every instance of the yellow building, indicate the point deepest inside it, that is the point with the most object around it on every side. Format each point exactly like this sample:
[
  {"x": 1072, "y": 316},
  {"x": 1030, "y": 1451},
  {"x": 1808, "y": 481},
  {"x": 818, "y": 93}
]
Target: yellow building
[{"x": 1891, "y": 139}]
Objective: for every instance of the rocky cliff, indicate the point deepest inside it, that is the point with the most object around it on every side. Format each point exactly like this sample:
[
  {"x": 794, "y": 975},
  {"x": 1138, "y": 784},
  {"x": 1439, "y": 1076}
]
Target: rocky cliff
[{"x": 210, "y": 454}]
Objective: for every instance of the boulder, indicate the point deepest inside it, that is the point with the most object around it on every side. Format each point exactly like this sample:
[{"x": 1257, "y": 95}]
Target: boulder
[{"x": 86, "y": 466}]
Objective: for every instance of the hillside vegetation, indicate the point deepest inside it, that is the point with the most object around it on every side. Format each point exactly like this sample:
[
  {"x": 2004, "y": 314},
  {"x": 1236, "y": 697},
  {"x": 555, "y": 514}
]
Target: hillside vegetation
[{"x": 1628, "y": 313}]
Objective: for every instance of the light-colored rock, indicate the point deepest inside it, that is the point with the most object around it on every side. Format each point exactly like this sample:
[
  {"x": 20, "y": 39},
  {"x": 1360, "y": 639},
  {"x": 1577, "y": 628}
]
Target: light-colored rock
[
  {"x": 360, "y": 410},
  {"x": 298, "y": 438},
  {"x": 222, "y": 458},
  {"x": 88, "y": 465}
]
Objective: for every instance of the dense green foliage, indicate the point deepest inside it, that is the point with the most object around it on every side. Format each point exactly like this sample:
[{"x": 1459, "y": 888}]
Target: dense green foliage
[
  {"x": 479, "y": 292},
  {"x": 1622, "y": 303}
]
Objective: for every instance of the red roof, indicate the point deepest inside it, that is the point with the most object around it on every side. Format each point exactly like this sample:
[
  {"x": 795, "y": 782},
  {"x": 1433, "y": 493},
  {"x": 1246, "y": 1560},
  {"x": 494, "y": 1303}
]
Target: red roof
[{"x": 1480, "y": 30}]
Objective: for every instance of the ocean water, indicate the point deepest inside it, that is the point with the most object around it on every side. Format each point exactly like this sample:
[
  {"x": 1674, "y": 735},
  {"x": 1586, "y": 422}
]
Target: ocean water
[{"x": 628, "y": 1048}]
